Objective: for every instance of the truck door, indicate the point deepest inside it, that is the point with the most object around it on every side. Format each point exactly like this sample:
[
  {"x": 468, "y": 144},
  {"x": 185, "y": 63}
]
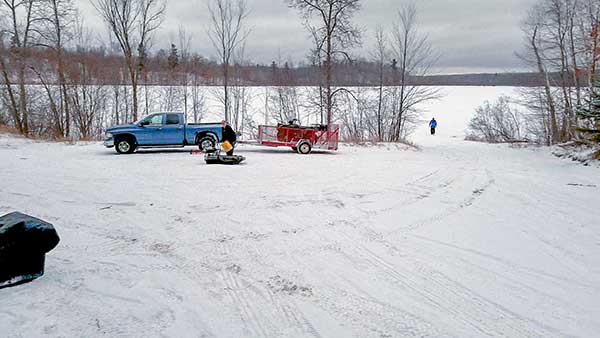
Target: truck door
[
  {"x": 173, "y": 131},
  {"x": 151, "y": 132}
]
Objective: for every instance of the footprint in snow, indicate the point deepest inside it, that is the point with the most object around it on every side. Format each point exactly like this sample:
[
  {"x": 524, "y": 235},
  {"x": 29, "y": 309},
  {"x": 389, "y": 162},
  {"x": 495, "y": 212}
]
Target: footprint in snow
[
  {"x": 277, "y": 284},
  {"x": 161, "y": 248}
]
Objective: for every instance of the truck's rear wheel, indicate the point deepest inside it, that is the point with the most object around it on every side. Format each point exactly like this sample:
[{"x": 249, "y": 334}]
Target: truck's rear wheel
[
  {"x": 304, "y": 148},
  {"x": 206, "y": 142},
  {"x": 125, "y": 146}
]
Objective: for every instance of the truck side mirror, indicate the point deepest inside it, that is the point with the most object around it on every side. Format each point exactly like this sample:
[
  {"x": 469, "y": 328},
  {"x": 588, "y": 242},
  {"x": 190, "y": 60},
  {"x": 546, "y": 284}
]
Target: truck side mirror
[{"x": 144, "y": 123}]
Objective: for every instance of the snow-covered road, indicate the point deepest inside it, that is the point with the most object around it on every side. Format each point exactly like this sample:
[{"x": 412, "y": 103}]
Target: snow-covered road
[{"x": 458, "y": 239}]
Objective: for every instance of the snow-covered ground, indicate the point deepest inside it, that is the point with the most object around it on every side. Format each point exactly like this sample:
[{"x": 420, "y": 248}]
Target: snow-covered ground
[{"x": 459, "y": 239}]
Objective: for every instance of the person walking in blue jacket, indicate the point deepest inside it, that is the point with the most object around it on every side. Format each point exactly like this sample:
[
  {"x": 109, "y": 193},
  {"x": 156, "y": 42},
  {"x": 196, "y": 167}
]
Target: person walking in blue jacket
[{"x": 433, "y": 125}]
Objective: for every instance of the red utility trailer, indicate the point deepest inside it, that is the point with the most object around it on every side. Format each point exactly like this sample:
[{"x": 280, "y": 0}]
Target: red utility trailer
[{"x": 301, "y": 139}]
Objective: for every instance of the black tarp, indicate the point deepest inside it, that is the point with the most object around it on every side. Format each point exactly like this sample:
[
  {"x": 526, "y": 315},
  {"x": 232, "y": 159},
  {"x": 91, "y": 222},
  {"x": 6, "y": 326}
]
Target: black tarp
[{"x": 24, "y": 241}]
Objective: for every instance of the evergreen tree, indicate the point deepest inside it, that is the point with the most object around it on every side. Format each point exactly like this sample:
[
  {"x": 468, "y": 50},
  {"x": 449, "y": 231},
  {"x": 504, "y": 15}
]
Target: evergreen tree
[
  {"x": 590, "y": 111},
  {"x": 173, "y": 58}
]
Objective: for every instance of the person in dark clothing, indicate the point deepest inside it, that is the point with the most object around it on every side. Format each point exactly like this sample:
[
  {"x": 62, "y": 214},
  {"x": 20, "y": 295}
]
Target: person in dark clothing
[
  {"x": 433, "y": 125},
  {"x": 229, "y": 136}
]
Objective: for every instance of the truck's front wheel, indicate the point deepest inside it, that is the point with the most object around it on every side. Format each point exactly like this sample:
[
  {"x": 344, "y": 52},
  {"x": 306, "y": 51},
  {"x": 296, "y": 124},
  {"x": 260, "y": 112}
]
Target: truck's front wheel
[
  {"x": 124, "y": 146},
  {"x": 206, "y": 142}
]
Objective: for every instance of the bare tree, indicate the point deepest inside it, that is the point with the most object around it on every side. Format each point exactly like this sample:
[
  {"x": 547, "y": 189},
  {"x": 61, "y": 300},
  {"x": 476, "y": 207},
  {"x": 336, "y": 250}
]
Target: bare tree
[
  {"x": 380, "y": 56},
  {"x": 88, "y": 101},
  {"x": 589, "y": 27},
  {"x": 559, "y": 15},
  {"x": 283, "y": 99},
  {"x": 147, "y": 77},
  {"x": 561, "y": 45},
  {"x": 496, "y": 122},
  {"x": 532, "y": 31},
  {"x": 414, "y": 57},
  {"x": 334, "y": 34},
  {"x": 589, "y": 107},
  {"x": 170, "y": 91},
  {"x": 227, "y": 34},
  {"x": 56, "y": 120},
  {"x": 19, "y": 30},
  {"x": 198, "y": 95},
  {"x": 88, "y": 92},
  {"x": 576, "y": 49},
  {"x": 185, "y": 41},
  {"x": 355, "y": 115},
  {"x": 240, "y": 93},
  {"x": 315, "y": 96},
  {"x": 132, "y": 23},
  {"x": 57, "y": 21}
]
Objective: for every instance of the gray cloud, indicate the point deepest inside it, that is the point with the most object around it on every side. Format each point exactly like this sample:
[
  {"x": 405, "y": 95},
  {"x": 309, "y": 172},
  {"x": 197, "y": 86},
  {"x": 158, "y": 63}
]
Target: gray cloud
[{"x": 470, "y": 35}]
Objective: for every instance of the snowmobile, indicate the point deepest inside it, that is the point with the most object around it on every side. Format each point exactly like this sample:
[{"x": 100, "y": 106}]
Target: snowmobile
[{"x": 213, "y": 156}]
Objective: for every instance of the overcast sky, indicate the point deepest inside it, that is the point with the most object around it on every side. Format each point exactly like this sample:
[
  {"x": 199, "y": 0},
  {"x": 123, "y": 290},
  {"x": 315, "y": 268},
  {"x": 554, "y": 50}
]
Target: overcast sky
[{"x": 471, "y": 35}]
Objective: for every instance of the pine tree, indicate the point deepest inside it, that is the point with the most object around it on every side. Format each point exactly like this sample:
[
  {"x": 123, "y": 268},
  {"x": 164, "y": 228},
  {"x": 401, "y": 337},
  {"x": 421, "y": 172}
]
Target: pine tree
[
  {"x": 173, "y": 59},
  {"x": 590, "y": 111}
]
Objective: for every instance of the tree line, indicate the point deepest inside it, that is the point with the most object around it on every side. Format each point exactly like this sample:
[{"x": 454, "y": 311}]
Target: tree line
[
  {"x": 563, "y": 37},
  {"x": 562, "y": 47},
  {"x": 57, "y": 82}
]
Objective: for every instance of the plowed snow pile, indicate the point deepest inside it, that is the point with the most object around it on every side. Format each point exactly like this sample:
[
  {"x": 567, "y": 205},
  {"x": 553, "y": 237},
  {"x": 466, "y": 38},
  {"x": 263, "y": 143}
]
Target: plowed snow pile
[{"x": 458, "y": 239}]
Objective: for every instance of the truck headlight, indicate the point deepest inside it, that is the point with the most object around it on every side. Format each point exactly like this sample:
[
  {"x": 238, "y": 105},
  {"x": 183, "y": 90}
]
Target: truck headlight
[{"x": 109, "y": 135}]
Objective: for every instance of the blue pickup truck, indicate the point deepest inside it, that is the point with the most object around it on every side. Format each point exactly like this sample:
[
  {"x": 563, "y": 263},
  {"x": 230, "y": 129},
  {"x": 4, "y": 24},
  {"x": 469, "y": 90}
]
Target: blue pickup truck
[{"x": 162, "y": 130}]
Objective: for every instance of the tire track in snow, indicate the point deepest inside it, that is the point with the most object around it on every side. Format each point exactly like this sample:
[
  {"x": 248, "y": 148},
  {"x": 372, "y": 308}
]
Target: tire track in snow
[
  {"x": 466, "y": 306},
  {"x": 236, "y": 292},
  {"x": 444, "y": 185},
  {"x": 466, "y": 202},
  {"x": 532, "y": 199},
  {"x": 236, "y": 256},
  {"x": 264, "y": 313},
  {"x": 292, "y": 315},
  {"x": 368, "y": 316},
  {"x": 520, "y": 269},
  {"x": 373, "y": 317}
]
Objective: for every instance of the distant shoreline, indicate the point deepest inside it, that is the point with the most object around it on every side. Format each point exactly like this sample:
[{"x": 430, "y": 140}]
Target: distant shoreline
[{"x": 452, "y": 80}]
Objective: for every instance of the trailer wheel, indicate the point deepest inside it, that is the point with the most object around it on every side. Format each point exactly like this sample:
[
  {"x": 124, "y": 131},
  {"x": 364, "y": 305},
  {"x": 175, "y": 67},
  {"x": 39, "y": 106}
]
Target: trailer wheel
[{"x": 304, "y": 148}]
